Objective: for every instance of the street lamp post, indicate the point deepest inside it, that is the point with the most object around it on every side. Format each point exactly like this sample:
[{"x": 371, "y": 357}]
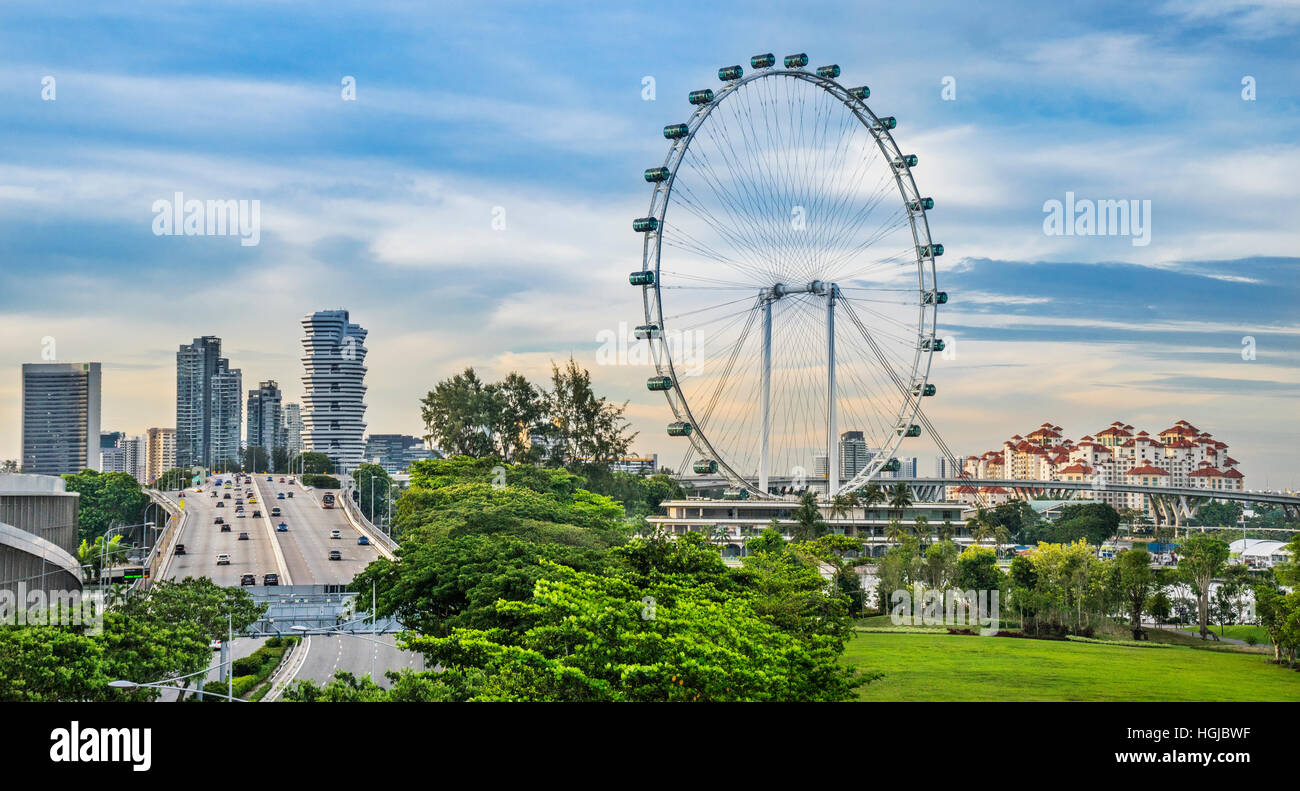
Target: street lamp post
[{"x": 166, "y": 684}]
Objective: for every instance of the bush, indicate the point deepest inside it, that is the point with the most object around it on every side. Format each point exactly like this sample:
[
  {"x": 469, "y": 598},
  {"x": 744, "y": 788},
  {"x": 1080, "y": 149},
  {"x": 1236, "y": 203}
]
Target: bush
[
  {"x": 320, "y": 481},
  {"x": 274, "y": 642}
]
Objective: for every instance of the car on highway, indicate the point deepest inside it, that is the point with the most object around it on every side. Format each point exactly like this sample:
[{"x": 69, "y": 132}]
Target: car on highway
[
  {"x": 225, "y": 528},
  {"x": 219, "y": 521},
  {"x": 180, "y": 549},
  {"x": 363, "y": 541},
  {"x": 223, "y": 559},
  {"x": 336, "y": 534},
  {"x": 214, "y": 494},
  {"x": 240, "y": 514},
  {"x": 243, "y": 536},
  {"x": 270, "y": 579},
  {"x": 282, "y": 528},
  {"x": 289, "y": 495},
  {"x": 281, "y": 480},
  {"x": 248, "y": 579},
  {"x": 268, "y": 477},
  {"x": 279, "y": 495},
  {"x": 256, "y": 514},
  {"x": 226, "y": 497},
  {"x": 220, "y": 504},
  {"x": 335, "y": 554}
]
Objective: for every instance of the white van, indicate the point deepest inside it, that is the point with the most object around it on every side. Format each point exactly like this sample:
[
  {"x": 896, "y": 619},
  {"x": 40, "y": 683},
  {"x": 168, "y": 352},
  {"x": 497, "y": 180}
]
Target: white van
[{"x": 223, "y": 559}]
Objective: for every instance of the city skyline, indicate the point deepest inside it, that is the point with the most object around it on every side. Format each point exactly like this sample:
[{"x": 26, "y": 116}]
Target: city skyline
[{"x": 362, "y": 205}]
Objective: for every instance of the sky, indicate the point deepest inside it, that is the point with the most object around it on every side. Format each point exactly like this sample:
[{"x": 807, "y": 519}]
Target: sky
[{"x": 535, "y": 116}]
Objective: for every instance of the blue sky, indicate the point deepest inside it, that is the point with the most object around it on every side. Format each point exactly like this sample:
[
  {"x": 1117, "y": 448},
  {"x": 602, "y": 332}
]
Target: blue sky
[{"x": 384, "y": 205}]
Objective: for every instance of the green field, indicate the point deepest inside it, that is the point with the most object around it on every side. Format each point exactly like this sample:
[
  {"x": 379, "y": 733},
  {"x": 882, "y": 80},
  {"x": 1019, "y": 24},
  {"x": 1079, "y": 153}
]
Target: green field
[{"x": 919, "y": 666}]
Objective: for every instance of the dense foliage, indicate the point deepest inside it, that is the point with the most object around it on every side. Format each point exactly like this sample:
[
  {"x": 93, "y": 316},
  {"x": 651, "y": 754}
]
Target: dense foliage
[
  {"x": 526, "y": 586},
  {"x": 107, "y": 499}
]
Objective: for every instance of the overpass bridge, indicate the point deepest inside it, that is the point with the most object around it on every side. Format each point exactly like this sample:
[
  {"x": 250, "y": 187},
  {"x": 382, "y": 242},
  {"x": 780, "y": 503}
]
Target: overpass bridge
[{"x": 1172, "y": 504}]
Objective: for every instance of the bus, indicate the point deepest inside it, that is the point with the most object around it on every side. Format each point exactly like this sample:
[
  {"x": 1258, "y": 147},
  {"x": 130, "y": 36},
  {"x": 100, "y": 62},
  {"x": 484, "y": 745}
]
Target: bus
[{"x": 327, "y": 500}]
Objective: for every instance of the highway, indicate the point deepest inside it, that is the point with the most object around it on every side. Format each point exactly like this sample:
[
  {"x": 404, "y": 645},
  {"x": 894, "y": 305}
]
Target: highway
[{"x": 300, "y": 556}]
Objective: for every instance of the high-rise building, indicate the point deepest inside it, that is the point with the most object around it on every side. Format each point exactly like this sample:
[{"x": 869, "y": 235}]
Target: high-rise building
[
  {"x": 160, "y": 455},
  {"x": 60, "y": 424},
  {"x": 112, "y": 459},
  {"x": 135, "y": 451},
  {"x": 395, "y": 452},
  {"x": 947, "y": 468},
  {"x": 111, "y": 439},
  {"x": 334, "y": 355},
  {"x": 265, "y": 417},
  {"x": 227, "y": 415},
  {"x": 854, "y": 454},
  {"x": 196, "y": 364},
  {"x": 293, "y": 429}
]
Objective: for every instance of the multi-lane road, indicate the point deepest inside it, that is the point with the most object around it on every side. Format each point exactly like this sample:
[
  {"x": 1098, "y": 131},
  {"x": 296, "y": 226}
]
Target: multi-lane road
[{"x": 300, "y": 556}]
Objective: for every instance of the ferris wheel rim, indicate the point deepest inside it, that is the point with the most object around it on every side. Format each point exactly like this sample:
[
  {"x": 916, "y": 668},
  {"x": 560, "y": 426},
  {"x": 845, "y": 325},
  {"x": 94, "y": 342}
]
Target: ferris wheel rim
[{"x": 918, "y": 222}]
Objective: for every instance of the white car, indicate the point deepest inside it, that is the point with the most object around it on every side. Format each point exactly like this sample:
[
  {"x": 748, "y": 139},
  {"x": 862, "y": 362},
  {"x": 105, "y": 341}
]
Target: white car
[
  {"x": 336, "y": 534},
  {"x": 223, "y": 559}
]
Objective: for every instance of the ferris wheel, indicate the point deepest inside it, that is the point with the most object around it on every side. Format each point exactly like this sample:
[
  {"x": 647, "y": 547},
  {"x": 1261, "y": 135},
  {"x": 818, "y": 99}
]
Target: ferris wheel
[{"x": 788, "y": 281}]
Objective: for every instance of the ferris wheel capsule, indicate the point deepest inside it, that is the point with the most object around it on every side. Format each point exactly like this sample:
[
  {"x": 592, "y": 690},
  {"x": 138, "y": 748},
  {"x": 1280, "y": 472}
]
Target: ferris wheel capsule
[
  {"x": 796, "y": 61},
  {"x": 700, "y": 97},
  {"x": 764, "y": 61},
  {"x": 676, "y": 131},
  {"x": 830, "y": 72},
  {"x": 861, "y": 92},
  {"x": 730, "y": 73},
  {"x": 656, "y": 174}
]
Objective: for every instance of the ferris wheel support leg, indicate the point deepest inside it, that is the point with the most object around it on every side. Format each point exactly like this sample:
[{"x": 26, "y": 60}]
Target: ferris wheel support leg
[
  {"x": 763, "y": 461},
  {"x": 832, "y": 447}
]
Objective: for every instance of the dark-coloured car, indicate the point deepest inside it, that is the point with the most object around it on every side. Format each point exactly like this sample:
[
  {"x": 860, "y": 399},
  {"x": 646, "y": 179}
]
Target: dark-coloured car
[
  {"x": 335, "y": 555},
  {"x": 243, "y": 537},
  {"x": 275, "y": 511},
  {"x": 282, "y": 528},
  {"x": 227, "y": 497},
  {"x": 270, "y": 579},
  {"x": 279, "y": 495},
  {"x": 225, "y": 528},
  {"x": 218, "y": 521},
  {"x": 256, "y": 514},
  {"x": 363, "y": 541},
  {"x": 220, "y": 504},
  {"x": 248, "y": 579},
  {"x": 180, "y": 549},
  {"x": 282, "y": 480},
  {"x": 289, "y": 495}
]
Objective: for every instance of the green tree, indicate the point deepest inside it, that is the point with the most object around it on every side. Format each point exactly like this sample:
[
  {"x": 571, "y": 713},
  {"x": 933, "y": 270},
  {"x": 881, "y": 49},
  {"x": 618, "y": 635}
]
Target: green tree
[
  {"x": 1201, "y": 558},
  {"x": 374, "y": 488},
  {"x": 96, "y": 555},
  {"x": 977, "y": 570},
  {"x": 457, "y": 413},
  {"x": 311, "y": 463},
  {"x": 586, "y": 637},
  {"x": 280, "y": 461},
  {"x": 107, "y": 498},
  {"x": 808, "y": 522},
  {"x": 900, "y": 498},
  {"x": 1137, "y": 584},
  {"x": 584, "y": 428},
  {"x": 255, "y": 458}
]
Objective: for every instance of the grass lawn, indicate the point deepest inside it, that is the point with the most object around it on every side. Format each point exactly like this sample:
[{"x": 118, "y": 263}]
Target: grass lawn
[{"x": 919, "y": 666}]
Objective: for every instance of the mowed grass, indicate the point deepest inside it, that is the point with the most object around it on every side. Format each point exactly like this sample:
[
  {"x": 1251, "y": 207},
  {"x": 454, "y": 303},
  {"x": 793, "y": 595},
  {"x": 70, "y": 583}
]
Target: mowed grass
[{"x": 920, "y": 666}]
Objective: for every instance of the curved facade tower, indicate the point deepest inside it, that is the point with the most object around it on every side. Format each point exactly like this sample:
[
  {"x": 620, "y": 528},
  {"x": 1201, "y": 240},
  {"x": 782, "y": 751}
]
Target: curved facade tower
[{"x": 334, "y": 356}]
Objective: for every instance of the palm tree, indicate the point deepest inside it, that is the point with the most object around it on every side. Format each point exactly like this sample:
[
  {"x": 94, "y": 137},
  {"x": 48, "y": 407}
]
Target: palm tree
[
  {"x": 947, "y": 531},
  {"x": 921, "y": 526},
  {"x": 900, "y": 497},
  {"x": 873, "y": 495},
  {"x": 808, "y": 518},
  {"x": 977, "y": 525},
  {"x": 895, "y": 533}
]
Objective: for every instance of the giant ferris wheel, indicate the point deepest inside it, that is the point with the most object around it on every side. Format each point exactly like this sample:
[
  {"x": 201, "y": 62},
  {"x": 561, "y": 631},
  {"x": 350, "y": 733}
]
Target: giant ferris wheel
[{"x": 788, "y": 280}]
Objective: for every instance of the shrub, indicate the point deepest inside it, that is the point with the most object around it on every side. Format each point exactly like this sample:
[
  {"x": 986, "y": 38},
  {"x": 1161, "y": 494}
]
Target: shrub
[{"x": 320, "y": 481}]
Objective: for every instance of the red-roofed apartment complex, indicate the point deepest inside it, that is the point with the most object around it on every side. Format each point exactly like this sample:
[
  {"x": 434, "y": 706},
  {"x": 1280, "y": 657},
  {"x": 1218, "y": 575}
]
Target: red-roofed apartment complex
[{"x": 1181, "y": 455}]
